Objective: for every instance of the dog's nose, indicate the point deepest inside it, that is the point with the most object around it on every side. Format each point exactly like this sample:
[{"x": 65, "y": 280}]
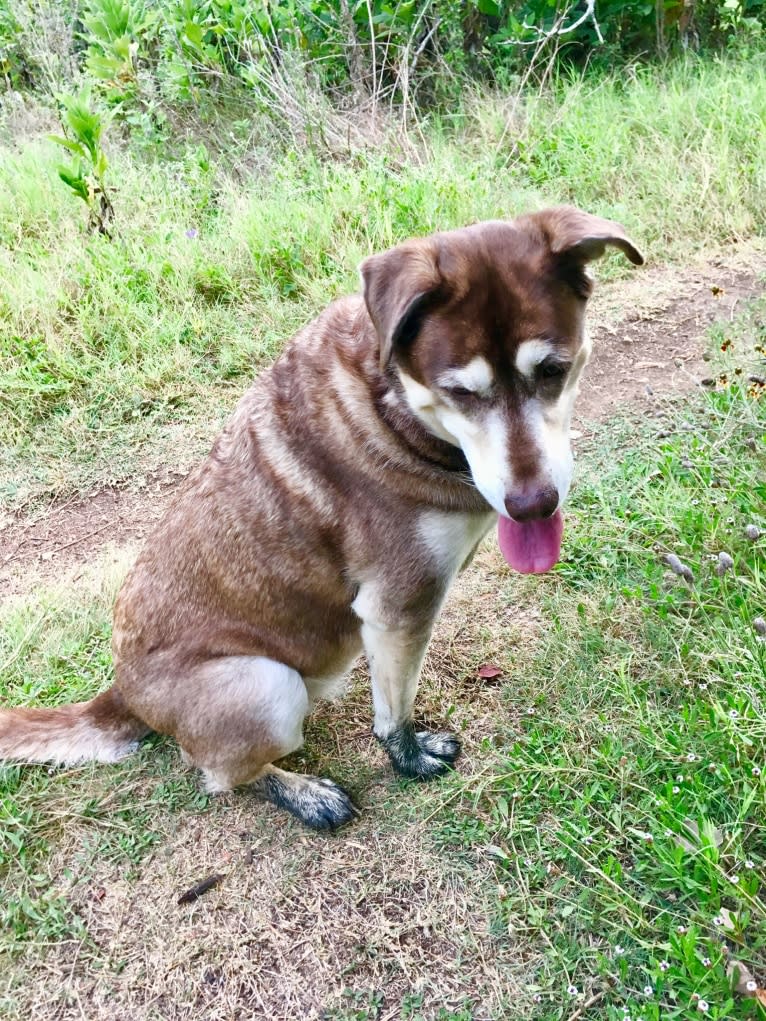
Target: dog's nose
[{"x": 530, "y": 504}]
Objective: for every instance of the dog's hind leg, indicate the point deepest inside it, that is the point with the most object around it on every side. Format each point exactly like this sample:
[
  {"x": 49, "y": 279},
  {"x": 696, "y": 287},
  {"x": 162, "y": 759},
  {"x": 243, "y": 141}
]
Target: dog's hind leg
[{"x": 241, "y": 714}]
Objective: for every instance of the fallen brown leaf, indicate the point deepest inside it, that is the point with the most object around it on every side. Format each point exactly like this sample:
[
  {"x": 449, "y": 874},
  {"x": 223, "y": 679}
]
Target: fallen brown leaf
[{"x": 488, "y": 672}]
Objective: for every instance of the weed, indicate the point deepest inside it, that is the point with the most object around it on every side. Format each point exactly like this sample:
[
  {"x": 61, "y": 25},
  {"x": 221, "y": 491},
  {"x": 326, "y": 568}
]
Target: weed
[{"x": 87, "y": 175}]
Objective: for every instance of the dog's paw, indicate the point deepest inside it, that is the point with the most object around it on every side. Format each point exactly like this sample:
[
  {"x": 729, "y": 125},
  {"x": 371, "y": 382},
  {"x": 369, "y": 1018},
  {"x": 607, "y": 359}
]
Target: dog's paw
[
  {"x": 318, "y": 802},
  {"x": 443, "y": 745},
  {"x": 324, "y": 805},
  {"x": 422, "y": 755}
]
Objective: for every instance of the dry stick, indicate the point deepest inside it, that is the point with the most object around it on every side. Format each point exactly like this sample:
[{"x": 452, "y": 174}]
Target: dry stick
[
  {"x": 11, "y": 556},
  {"x": 588, "y": 1003},
  {"x": 88, "y": 535}
]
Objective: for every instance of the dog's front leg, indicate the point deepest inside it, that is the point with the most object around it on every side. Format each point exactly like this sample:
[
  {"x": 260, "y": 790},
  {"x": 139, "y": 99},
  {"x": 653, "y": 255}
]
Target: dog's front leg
[{"x": 395, "y": 656}]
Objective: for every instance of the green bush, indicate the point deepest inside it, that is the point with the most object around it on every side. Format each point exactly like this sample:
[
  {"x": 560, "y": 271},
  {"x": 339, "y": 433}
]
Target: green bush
[{"x": 146, "y": 54}]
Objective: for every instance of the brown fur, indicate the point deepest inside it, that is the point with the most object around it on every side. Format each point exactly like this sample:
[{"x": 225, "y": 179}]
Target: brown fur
[{"x": 313, "y": 493}]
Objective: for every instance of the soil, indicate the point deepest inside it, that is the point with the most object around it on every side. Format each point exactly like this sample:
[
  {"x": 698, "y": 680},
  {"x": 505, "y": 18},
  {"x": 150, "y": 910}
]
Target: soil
[{"x": 648, "y": 335}]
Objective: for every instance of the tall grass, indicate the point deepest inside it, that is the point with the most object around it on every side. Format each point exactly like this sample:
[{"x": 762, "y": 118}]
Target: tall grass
[{"x": 214, "y": 264}]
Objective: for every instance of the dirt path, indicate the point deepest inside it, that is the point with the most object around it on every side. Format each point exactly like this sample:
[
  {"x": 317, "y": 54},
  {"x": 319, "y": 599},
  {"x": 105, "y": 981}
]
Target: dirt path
[{"x": 648, "y": 333}]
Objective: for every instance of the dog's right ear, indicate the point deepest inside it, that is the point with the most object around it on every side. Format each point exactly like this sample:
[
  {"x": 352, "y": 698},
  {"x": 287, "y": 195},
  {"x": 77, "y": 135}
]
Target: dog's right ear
[{"x": 400, "y": 286}]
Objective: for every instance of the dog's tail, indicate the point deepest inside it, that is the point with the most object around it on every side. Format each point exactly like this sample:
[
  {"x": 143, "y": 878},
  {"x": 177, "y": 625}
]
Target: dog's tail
[{"x": 102, "y": 730}]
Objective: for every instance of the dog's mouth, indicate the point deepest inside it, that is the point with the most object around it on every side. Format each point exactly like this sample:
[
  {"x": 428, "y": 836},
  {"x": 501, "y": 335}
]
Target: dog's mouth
[{"x": 531, "y": 547}]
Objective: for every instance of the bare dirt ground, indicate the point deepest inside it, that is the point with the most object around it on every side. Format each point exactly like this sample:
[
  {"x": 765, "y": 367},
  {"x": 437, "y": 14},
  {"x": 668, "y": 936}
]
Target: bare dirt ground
[{"x": 352, "y": 925}]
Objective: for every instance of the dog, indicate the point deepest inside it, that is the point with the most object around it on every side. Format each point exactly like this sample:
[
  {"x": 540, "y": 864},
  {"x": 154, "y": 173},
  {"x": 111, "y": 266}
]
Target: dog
[{"x": 352, "y": 483}]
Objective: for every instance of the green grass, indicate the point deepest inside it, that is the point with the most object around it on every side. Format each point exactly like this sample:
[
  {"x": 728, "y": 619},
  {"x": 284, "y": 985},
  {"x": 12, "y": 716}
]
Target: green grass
[
  {"x": 110, "y": 349},
  {"x": 627, "y": 819}
]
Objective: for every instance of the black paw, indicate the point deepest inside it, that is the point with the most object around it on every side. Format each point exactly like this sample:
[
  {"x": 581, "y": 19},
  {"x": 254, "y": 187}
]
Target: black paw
[
  {"x": 421, "y": 755},
  {"x": 324, "y": 805},
  {"x": 319, "y": 803}
]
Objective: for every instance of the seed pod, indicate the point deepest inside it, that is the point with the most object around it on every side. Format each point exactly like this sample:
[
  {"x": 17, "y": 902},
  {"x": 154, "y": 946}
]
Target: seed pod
[
  {"x": 725, "y": 563},
  {"x": 760, "y": 625},
  {"x": 679, "y": 568},
  {"x": 752, "y": 532}
]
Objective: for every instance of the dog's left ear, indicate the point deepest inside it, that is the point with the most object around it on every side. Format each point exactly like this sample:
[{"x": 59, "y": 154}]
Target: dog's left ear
[
  {"x": 581, "y": 237},
  {"x": 400, "y": 285}
]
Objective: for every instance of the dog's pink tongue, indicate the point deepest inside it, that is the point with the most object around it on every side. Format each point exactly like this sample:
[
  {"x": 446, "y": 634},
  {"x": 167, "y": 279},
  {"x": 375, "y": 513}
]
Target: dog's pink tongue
[{"x": 531, "y": 547}]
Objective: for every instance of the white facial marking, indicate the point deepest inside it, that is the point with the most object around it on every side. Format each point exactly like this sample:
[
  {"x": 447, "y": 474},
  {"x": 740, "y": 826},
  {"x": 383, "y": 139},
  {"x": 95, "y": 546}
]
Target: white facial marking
[
  {"x": 477, "y": 376},
  {"x": 484, "y": 441},
  {"x": 548, "y": 429},
  {"x": 530, "y": 353},
  {"x": 423, "y": 403},
  {"x": 484, "y": 434}
]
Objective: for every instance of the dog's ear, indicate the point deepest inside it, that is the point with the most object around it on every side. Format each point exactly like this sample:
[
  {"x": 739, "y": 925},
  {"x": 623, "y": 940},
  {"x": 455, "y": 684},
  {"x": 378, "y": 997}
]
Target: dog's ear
[
  {"x": 400, "y": 286},
  {"x": 580, "y": 237}
]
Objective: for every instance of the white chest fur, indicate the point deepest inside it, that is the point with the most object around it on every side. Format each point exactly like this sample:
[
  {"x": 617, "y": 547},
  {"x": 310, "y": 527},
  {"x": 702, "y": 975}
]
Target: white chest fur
[{"x": 451, "y": 538}]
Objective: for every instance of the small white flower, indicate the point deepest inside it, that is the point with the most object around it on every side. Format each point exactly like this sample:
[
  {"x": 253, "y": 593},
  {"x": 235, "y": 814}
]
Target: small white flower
[
  {"x": 619, "y": 951},
  {"x": 756, "y": 771},
  {"x": 733, "y": 714},
  {"x": 734, "y": 879},
  {"x": 676, "y": 790},
  {"x": 718, "y": 920},
  {"x": 706, "y": 962},
  {"x": 749, "y": 864},
  {"x": 703, "y": 1005},
  {"x": 587, "y": 840},
  {"x": 648, "y": 991},
  {"x": 680, "y": 778},
  {"x": 516, "y": 794},
  {"x": 531, "y": 711},
  {"x": 703, "y": 687},
  {"x": 691, "y": 757},
  {"x": 681, "y": 929},
  {"x": 648, "y": 838},
  {"x": 751, "y": 986},
  {"x": 668, "y": 833},
  {"x": 572, "y": 990},
  {"x": 537, "y": 998},
  {"x": 664, "y": 965}
]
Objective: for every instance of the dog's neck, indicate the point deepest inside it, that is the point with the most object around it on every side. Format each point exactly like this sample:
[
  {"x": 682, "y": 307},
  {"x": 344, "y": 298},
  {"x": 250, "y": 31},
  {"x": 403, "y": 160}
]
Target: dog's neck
[{"x": 393, "y": 408}]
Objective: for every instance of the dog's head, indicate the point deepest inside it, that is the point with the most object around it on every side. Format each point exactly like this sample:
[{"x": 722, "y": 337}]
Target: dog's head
[{"x": 484, "y": 327}]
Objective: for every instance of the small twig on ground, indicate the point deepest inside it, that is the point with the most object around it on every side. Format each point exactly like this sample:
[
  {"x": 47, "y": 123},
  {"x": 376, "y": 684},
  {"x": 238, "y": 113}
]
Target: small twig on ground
[
  {"x": 82, "y": 538},
  {"x": 195, "y": 892},
  {"x": 11, "y": 556},
  {"x": 587, "y": 1005}
]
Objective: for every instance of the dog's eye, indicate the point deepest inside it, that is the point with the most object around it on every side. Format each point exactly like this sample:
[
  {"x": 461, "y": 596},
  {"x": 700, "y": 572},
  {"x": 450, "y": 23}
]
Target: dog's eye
[
  {"x": 552, "y": 370},
  {"x": 460, "y": 391}
]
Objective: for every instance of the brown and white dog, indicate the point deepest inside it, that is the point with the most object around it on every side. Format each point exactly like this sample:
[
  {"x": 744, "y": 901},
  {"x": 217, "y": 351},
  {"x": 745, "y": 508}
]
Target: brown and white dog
[{"x": 352, "y": 483}]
